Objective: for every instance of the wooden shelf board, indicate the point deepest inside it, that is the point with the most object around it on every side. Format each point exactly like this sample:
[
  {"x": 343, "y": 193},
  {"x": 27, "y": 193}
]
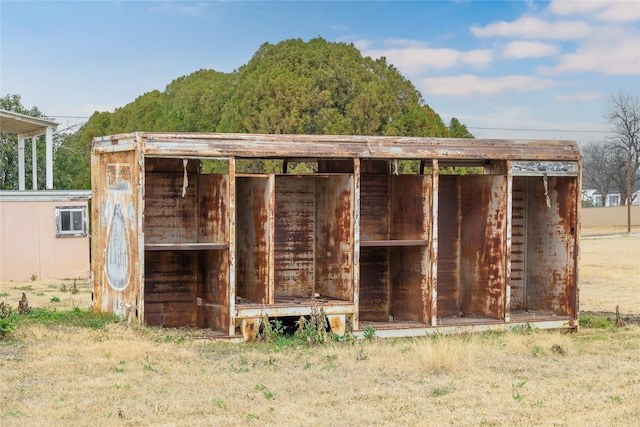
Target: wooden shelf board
[
  {"x": 184, "y": 246},
  {"x": 380, "y": 243}
]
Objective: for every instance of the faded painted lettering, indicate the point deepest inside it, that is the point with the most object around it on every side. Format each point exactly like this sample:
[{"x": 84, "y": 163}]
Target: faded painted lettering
[
  {"x": 119, "y": 177},
  {"x": 117, "y": 262}
]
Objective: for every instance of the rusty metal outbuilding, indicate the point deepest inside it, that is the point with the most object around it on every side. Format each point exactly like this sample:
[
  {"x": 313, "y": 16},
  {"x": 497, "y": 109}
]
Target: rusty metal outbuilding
[{"x": 409, "y": 236}]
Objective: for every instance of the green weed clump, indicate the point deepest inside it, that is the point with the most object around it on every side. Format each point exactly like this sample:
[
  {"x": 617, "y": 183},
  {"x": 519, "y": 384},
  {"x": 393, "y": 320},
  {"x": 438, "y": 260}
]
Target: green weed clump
[
  {"x": 596, "y": 322},
  {"x": 84, "y": 318},
  {"x": 310, "y": 331},
  {"x": 7, "y": 320}
]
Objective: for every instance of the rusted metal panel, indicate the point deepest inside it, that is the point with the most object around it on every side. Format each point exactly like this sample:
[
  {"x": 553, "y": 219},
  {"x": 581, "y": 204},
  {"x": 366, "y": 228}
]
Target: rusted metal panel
[
  {"x": 170, "y": 290},
  {"x": 213, "y": 208},
  {"x": 214, "y": 290},
  {"x": 169, "y": 216},
  {"x": 519, "y": 244},
  {"x": 482, "y": 245},
  {"x": 295, "y": 223},
  {"x": 375, "y": 191},
  {"x": 374, "y": 284},
  {"x": 252, "y": 243},
  {"x": 115, "y": 228},
  {"x": 298, "y": 308},
  {"x": 407, "y": 200},
  {"x": 407, "y": 301},
  {"x": 551, "y": 245},
  {"x": 335, "y": 146},
  {"x": 334, "y": 234},
  {"x": 448, "y": 278}
]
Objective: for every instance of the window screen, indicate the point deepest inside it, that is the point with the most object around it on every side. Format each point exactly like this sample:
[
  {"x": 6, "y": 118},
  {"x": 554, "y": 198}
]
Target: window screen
[{"x": 71, "y": 221}]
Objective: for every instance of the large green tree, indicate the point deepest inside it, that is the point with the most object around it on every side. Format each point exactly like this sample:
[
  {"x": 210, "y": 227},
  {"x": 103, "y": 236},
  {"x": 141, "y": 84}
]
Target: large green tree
[
  {"x": 314, "y": 87},
  {"x": 318, "y": 87}
]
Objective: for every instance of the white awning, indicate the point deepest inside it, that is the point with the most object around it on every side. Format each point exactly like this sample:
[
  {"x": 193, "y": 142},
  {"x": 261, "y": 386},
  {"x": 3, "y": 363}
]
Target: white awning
[{"x": 30, "y": 127}]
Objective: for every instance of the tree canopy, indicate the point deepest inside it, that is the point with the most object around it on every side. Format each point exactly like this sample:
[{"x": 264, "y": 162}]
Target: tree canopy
[{"x": 314, "y": 87}]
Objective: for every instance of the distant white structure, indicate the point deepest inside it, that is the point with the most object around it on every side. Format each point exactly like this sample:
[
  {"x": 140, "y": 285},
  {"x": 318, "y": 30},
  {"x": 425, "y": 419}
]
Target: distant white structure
[
  {"x": 27, "y": 127},
  {"x": 611, "y": 199}
]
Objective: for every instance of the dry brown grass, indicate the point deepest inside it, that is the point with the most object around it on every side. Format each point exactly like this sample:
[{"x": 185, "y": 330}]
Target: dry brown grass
[
  {"x": 54, "y": 375},
  {"x": 610, "y": 274}
]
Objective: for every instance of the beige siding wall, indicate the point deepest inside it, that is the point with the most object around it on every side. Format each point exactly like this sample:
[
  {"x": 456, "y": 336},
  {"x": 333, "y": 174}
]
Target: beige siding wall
[
  {"x": 29, "y": 246},
  {"x": 609, "y": 216}
]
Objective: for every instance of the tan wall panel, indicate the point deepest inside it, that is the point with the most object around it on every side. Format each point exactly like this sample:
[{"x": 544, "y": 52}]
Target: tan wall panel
[
  {"x": 609, "y": 216},
  {"x": 29, "y": 245}
]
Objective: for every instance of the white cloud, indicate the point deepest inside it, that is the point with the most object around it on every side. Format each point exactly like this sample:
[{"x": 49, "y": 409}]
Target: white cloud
[
  {"x": 617, "y": 58},
  {"x": 529, "y": 49},
  {"x": 534, "y": 28},
  {"x": 415, "y": 58},
  {"x": 608, "y": 11},
  {"x": 466, "y": 85},
  {"x": 583, "y": 96},
  {"x": 362, "y": 44}
]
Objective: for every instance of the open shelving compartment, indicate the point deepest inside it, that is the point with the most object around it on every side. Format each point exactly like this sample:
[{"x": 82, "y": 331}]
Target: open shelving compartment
[
  {"x": 294, "y": 247},
  {"x": 395, "y": 247},
  {"x": 186, "y": 242},
  {"x": 544, "y": 241},
  {"x": 472, "y": 243}
]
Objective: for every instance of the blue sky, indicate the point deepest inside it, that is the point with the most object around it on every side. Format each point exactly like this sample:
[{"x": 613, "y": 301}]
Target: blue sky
[{"x": 506, "y": 69}]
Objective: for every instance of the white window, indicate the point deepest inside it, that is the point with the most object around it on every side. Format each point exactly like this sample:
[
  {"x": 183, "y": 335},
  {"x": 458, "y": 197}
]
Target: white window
[{"x": 71, "y": 221}]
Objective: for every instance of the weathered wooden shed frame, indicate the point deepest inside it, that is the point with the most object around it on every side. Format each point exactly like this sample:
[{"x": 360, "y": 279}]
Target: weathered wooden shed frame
[{"x": 432, "y": 251}]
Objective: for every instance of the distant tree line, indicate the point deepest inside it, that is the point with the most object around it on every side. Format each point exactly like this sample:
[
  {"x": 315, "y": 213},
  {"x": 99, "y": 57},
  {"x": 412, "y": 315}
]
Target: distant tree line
[
  {"x": 292, "y": 87},
  {"x": 608, "y": 164}
]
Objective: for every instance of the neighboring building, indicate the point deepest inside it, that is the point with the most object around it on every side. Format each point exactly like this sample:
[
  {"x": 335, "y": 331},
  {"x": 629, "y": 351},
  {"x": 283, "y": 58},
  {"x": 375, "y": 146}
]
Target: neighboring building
[
  {"x": 44, "y": 234},
  {"x": 594, "y": 198}
]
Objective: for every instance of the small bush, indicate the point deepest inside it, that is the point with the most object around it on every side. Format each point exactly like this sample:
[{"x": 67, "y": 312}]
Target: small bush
[
  {"x": 597, "y": 322},
  {"x": 369, "y": 333},
  {"x": 7, "y": 320}
]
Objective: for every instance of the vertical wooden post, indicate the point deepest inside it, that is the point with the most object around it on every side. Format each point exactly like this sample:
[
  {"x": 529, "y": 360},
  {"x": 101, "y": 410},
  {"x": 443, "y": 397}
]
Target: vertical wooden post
[
  {"x": 507, "y": 251},
  {"x": 20, "y": 163},
  {"x": 356, "y": 243},
  {"x": 232, "y": 247},
  {"x": 34, "y": 163},
  {"x": 629, "y": 191},
  {"x": 49, "y": 158},
  {"x": 433, "y": 249}
]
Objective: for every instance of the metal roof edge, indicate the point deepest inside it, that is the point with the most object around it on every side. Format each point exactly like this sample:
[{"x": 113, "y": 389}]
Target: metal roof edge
[
  {"x": 26, "y": 118},
  {"x": 45, "y": 195}
]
